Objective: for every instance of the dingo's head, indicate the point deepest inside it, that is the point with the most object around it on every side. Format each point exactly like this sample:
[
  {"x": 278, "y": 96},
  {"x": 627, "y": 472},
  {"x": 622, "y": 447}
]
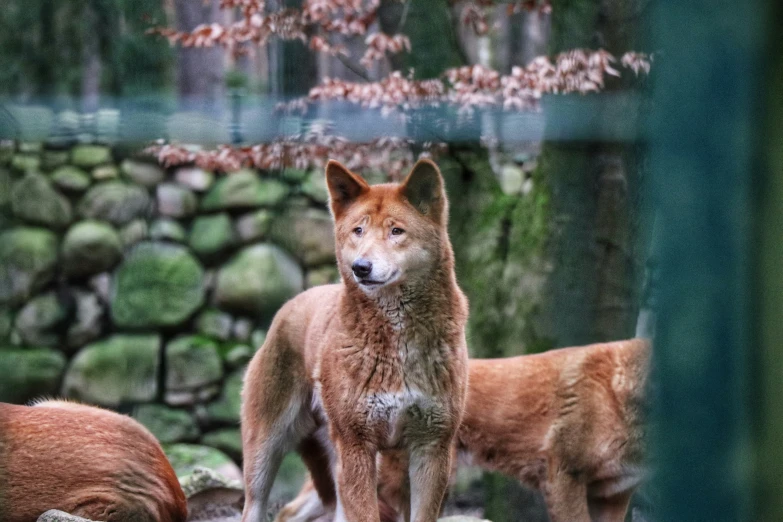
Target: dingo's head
[{"x": 391, "y": 233}]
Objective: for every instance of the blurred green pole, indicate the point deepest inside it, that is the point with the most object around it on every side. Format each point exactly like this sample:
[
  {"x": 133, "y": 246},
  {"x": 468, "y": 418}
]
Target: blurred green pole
[{"x": 703, "y": 135}]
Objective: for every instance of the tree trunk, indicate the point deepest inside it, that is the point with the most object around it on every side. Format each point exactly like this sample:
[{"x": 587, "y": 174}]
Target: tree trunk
[{"x": 200, "y": 72}]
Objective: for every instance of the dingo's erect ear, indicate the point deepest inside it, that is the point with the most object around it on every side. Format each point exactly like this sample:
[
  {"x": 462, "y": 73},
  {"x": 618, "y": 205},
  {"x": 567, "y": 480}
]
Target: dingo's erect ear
[
  {"x": 423, "y": 188},
  {"x": 344, "y": 187}
]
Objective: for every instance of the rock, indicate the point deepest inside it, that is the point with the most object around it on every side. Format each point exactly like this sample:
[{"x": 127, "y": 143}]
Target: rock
[
  {"x": 31, "y": 147},
  {"x": 157, "y": 284},
  {"x": 175, "y": 201},
  {"x": 214, "y": 323},
  {"x": 121, "y": 368},
  {"x": 226, "y": 408},
  {"x": 90, "y": 247},
  {"x": 306, "y": 233},
  {"x": 71, "y": 179},
  {"x": 323, "y": 275},
  {"x": 167, "y": 230},
  {"x": 135, "y": 231},
  {"x": 254, "y": 226},
  {"x": 192, "y": 364},
  {"x": 511, "y": 179},
  {"x": 194, "y": 178},
  {"x": 25, "y": 163},
  {"x": 5, "y": 187},
  {"x": 28, "y": 257},
  {"x": 238, "y": 356},
  {"x": 145, "y": 174},
  {"x": 167, "y": 424},
  {"x": 244, "y": 189},
  {"x": 315, "y": 187},
  {"x": 212, "y": 497},
  {"x": 34, "y": 199},
  {"x": 185, "y": 458},
  {"x": 89, "y": 156},
  {"x": 29, "y": 373},
  {"x": 257, "y": 338},
  {"x": 55, "y": 515},
  {"x": 211, "y": 236},
  {"x": 38, "y": 321},
  {"x": 227, "y": 440},
  {"x": 295, "y": 176},
  {"x": 101, "y": 285},
  {"x": 257, "y": 281},
  {"x": 105, "y": 172},
  {"x": 243, "y": 328},
  {"x": 51, "y": 159},
  {"x": 88, "y": 323},
  {"x": 115, "y": 202}
]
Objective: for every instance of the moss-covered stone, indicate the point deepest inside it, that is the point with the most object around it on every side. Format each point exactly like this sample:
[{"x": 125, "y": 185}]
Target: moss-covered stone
[
  {"x": 215, "y": 324},
  {"x": 323, "y": 275},
  {"x": 185, "y": 458},
  {"x": 28, "y": 257},
  {"x": 167, "y": 424},
  {"x": 33, "y": 199},
  {"x": 87, "y": 324},
  {"x": 105, "y": 172},
  {"x": 315, "y": 187},
  {"x": 89, "y": 156},
  {"x": 90, "y": 247},
  {"x": 227, "y": 440},
  {"x": 38, "y": 321},
  {"x": 175, "y": 200},
  {"x": 307, "y": 233},
  {"x": 116, "y": 370},
  {"x": 29, "y": 373},
  {"x": 194, "y": 178},
  {"x": 167, "y": 230},
  {"x": 71, "y": 179},
  {"x": 254, "y": 226},
  {"x": 6, "y": 324},
  {"x": 26, "y": 163},
  {"x": 192, "y": 362},
  {"x": 257, "y": 281},
  {"x": 51, "y": 159},
  {"x": 134, "y": 232},
  {"x": 237, "y": 356},
  {"x": 30, "y": 147},
  {"x": 5, "y": 187},
  {"x": 212, "y": 235},
  {"x": 295, "y": 176},
  {"x": 157, "y": 284},
  {"x": 244, "y": 189},
  {"x": 226, "y": 409},
  {"x": 115, "y": 202},
  {"x": 142, "y": 173}
]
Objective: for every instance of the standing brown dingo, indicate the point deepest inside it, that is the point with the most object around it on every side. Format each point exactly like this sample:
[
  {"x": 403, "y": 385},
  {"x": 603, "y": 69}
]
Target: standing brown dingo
[
  {"x": 568, "y": 422},
  {"x": 86, "y": 461},
  {"x": 377, "y": 362}
]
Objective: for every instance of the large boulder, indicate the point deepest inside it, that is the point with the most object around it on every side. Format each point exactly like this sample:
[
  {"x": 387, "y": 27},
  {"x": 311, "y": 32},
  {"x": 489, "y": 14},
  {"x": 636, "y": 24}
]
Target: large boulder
[
  {"x": 244, "y": 189},
  {"x": 29, "y": 373},
  {"x": 33, "y": 199},
  {"x": 90, "y": 247},
  {"x": 212, "y": 235},
  {"x": 88, "y": 322},
  {"x": 71, "y": 179},
  {"x": 89, "y": 156},
  {"x": 258, "y": 280},
  {"x": 157, "y": 284},
  {"x": 115, "y": 202},
  {"x": 308, "y": 233},
  {"x": 28, "y": 257},
  {"x": 119, "y": 369},
  {"x": 167, "y": 424},
  {"x": 175, "y": 200},
  {"x": 39, "y": 320},
  {"x": 193, "y": 367},
  {"x": 146, "y": 174}
]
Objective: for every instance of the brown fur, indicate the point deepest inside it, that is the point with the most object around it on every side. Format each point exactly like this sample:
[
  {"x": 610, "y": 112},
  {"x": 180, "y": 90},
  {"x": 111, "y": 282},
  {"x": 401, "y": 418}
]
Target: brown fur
[
  {"x": 568, "y": 422},
  {"x": 85, "y": 461},
  {"x": 351, "y": 369}
]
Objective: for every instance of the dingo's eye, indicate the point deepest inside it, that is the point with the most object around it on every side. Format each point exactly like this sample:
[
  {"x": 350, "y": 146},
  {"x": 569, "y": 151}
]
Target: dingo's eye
[
  {"x": 396, "y": 231},
  {"x": 358, "y": 231}
]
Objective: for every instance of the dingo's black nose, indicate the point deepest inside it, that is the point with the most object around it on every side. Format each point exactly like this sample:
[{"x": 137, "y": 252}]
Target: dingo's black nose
[{"x": 361, "y": 268}]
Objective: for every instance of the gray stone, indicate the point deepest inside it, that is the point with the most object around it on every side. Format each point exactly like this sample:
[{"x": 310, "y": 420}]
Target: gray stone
[
  {"x": 55, "y": 515},
  {"x": 101, "y": 285},
  {"x": 157, "y": 284},
  {"x": 29, "y": 373},
  {"x": 227, "y": 440},
  {"x": 28, "y": 257},
  {"x": 118, "y": 369},
  {"x": 175, "y": 200},
  {"x": 134, "y": 232},
  {"x": 71, "y": 179},
  {"x": 105, "y": 172},
  {"x": 167, "y": 424},
  {"x": 25, "y": 163},
  {"x": 226, "y": 408},
  {"x": 185, "y": 458},
  {"x": 115, "y": 202},
  {"x": 87, "y": 325},
  {"x": 192, "y": 363},
  {"x": 38, "y": 321},
  {"x": 146, "y": 174},
  {"x": 212, "y": 235},
  {"x": 202, "y": 479},
  {"x": 90, "y": 247},
  {"x": 167, "y": 230},
  {"x": 323, "y": 275},
  {"x": 214, "y": 323},
  {"x": 244, "y": 189},
  {"x": 242, "y": 330},
  {"x": 33, "y": 199},
  {"x": 90, "y": 155},
  {"x": 7, "y": 150},
  {"x": 254, "y": 225},
  {"x": 307, "y": 233},
  {"x": 257, "y": 281},
  {"x": 194, "y": 178}
]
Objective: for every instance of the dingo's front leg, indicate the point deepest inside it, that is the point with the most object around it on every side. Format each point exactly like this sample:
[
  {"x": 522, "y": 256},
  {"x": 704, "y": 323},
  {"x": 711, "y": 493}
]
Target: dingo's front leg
[
  {"x": 430, "y": 466},
  {"x": 356, "y": 483}
]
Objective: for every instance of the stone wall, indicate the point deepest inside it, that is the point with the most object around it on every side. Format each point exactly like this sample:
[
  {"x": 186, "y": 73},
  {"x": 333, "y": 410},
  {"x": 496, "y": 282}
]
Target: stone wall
[{"x": 147, "y": 290}]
